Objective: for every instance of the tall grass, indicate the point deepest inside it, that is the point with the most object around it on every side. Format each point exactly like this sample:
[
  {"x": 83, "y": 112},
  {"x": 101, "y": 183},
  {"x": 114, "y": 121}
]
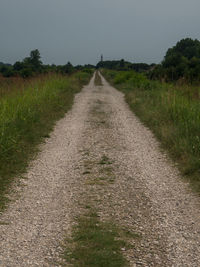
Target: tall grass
[
  {"x": 28, "y": 112},
  {"x": 171, "y": 111}
]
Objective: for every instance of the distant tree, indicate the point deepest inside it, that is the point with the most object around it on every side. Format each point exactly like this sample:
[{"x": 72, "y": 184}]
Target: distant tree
[
  {"x": 89, "y": 66},
  {"x": 7, "y": 71},
  {"x": 122, "y": 63},
  {"x": 68, "y": 68},
  {"x": 33, "y": 62},
  {"x": 35, "y": 59},
  {"x": 187, "y": 48},
  {"x": 18, "y": 66},
  {"x": 181, "y": 61},
  {"x": 26, "y": 72}
]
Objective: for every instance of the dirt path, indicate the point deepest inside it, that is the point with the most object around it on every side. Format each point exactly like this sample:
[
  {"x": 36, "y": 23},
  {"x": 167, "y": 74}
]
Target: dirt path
[{"x": 100, "y": 151}]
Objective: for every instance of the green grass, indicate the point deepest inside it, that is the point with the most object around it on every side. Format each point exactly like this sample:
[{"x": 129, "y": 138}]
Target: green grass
[
  {"x": 105, "y": 160},
  {"x": 171, "y": 111},
  {"x": 27, "y": 115},
  {"x": 95, "y": 243},
  {"x": 97, "y": 80}
]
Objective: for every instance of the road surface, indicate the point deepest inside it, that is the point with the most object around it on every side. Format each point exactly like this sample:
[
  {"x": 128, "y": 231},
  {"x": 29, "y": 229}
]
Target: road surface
[{"x": 100, "y": 152}]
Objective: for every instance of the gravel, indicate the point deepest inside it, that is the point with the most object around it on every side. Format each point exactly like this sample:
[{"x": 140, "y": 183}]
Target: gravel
[
  {"x": 32, "y": 228},
  {"x": 137, "y": 187}
]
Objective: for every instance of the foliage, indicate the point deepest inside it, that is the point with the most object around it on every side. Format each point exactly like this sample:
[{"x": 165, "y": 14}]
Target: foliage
[
  {"x": 124, "y": 65},
  {"x": 32, "y": 66},
  {"x": 171, "y": 111},
  {"x": 66, "y": 69},
  {"x": 180, "y": 62},
  {"x": 7, "y": 71}
]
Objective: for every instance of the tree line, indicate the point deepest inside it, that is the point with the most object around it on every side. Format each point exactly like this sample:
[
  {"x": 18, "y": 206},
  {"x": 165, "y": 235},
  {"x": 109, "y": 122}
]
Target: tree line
[
  {"x": 124, "y": 65},
  {"x": 32, "y": 65},
  {"x": 181, "y": 62}
]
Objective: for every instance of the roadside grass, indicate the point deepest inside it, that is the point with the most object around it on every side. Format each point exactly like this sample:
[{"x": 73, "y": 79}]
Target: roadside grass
[
  {"x": 95, "y": 243},
  {"x": 9, "y": 85},
  {"x": 28, "y": 113},
  {"x": 171, "y": 111},
  {"x": 97, "y": 80}
]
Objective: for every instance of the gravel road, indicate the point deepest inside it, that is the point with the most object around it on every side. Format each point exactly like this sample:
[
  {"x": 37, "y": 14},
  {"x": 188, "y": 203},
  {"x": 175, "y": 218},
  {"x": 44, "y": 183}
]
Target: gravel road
[{"x": 140, "y": 189}]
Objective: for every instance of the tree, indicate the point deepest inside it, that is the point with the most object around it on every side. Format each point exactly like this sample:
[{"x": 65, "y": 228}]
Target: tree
[
  {"x": 122, "y": 63},
  {"x": 7, "y": 71},
  {"x": 183, "y": 60},
  {"x": 33, "y": 62},
  {"x": 18, "y": 66},
  {"x": 35, "y": 59}
]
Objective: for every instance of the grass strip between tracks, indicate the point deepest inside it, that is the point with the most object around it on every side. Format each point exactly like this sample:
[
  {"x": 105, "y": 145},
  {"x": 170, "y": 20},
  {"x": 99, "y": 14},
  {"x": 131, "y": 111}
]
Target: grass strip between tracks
[
  {"x": 95, "y": 243},
  {"x": 97, "y": 80}
]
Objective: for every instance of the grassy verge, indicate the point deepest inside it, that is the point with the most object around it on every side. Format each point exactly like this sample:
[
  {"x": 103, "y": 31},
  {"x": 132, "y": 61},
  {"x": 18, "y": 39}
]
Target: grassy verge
[
  {"x": 95, "y": 243},
  {"x": 171, "y": 111},
  {"x": 97, "y": 80},
  {"x": 28, "y": 113}
]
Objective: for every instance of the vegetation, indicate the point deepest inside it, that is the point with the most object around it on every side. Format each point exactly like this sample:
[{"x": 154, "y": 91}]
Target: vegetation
[
  {"x": 171, "y": 111},
  {"x": 180, "y": 62},
  {"x": 32, "y": 66},
  {"x": 95, "y": 243},
  {"x": 34, "y": 95},
  {"x": 28, "y": 111},
  {"x": 124, "y": 65},
  {"x": 97, "y": 80},
  {"x": 29, "y": 66}
]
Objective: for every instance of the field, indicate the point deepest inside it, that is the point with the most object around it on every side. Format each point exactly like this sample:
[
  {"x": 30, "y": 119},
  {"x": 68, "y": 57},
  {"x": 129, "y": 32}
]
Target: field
[
  {"x": 172, "y": 111},
  {"x": 28, "y": 112}
]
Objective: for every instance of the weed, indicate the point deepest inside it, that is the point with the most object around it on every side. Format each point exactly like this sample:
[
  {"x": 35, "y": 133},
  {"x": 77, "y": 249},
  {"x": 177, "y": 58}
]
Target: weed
[
  {"x": 86, "y": 172},
  {"x": 105, "y": 161},
  {"x": 107, "y": 170},
  {"x": 88, "y": 164},
  {"x": 95, "y": 181},
  {"x": 4, "y": 223},
  {"x": 95, "y": 243},
  {"x": 97, "y": 81}
]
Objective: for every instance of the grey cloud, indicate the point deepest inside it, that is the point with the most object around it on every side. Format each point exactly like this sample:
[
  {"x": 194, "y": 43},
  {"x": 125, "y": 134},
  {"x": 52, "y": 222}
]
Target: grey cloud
[{"x": 80, "y": 30}]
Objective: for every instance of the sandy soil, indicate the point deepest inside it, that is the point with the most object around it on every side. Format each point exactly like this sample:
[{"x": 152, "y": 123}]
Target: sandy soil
[{"x": 100, "y": 152}]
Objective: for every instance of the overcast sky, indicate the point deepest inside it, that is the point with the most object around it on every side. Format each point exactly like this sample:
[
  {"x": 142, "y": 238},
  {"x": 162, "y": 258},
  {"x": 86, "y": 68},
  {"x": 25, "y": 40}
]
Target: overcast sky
[{"x": 80, "y": 30}]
